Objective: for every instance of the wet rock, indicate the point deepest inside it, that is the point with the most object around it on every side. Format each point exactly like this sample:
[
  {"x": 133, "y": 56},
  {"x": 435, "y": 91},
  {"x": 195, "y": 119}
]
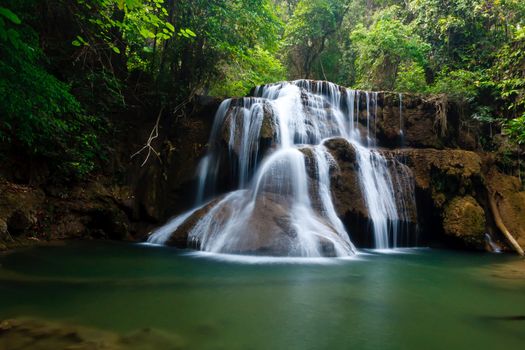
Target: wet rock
[
  {"x": 440, "y": 176},
  {"x": 179, "y": 238},
  {"x": 346, "y": 189},
  {"x": 464, "y": 219},
  {"x": 268, "y": 131},
  {"x": 446, "y": 171},
  {"x": 348, "y": 197},
  {"x": 416, "y": 118},
  {"x": 234, "y": 128},
  {"x": 403, "y": 182},
  {"x": 415, "y": 124},
  {"x": 266, "y": 230}
]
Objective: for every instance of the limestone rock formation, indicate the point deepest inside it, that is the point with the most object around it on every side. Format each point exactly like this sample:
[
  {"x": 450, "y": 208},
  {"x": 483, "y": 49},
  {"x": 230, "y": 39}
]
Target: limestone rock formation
[
  {"x": 269, "y": 229},
  {"x": 464, "y": 218},
  {"x": 29, "y": 215},
  {"x": 346, "y": 189},
  {"x": 19, "y": 208}
]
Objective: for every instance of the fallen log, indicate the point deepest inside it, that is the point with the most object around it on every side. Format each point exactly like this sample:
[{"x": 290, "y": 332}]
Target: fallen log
[{"x": 501, "y": 226}]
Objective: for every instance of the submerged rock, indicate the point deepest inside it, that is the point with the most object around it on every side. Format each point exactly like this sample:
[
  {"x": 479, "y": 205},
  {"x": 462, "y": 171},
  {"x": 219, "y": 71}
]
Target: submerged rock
[{"x": 36, "y": 334}]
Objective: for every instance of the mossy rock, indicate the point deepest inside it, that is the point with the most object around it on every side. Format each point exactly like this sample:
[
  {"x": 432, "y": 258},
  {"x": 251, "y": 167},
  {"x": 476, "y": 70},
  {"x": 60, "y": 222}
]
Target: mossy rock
[{"x": 464, "y": 218}]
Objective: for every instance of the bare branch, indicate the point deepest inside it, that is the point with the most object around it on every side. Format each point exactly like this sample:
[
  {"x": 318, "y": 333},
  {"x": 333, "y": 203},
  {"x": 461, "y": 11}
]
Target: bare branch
[{"x": 154, "y": 134}]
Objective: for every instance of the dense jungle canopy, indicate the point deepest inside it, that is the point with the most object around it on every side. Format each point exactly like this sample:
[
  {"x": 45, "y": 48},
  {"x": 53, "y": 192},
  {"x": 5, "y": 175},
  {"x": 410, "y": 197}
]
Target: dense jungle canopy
[{"x": 68, "y": 67}]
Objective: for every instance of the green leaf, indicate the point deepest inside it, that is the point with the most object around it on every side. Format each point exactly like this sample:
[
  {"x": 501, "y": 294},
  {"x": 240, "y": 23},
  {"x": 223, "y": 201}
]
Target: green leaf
[
  {"x": 190, "y": 32},
  {"x": 170, "y": 26},
  {"x": 147, "y": 33},
  {"x": 76, "y": 43},
  {"x": 7, "y": 13},
  {"x": 116, "y": 49},
  {"x": 187, "y": 33}
]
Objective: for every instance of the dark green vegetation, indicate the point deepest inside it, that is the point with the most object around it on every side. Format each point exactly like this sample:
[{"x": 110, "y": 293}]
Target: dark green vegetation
[
  {"x": 137, "y": 297},
  {"x": 69, "y": 68}
]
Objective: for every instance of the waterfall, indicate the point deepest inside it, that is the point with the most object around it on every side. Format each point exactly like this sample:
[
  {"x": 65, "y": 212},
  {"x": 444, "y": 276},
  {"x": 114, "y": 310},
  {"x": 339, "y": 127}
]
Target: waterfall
[{"x": 271, "y": 146}]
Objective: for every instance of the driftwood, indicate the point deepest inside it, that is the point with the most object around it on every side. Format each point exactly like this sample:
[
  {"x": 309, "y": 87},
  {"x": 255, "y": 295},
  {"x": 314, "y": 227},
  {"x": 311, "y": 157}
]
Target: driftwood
[{"x": 502, "y": 227}]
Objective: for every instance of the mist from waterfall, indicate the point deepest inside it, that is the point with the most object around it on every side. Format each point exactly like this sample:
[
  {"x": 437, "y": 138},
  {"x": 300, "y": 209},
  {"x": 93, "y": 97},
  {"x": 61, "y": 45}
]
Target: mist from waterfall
[{"x": 288, "y": 176}]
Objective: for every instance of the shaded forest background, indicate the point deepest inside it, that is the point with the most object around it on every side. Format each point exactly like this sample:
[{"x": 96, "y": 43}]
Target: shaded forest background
[{"x": 68, "y": 67}]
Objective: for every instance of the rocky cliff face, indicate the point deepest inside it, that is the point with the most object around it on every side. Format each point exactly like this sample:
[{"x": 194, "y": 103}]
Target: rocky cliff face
[
  {"x": 125, "y": 200},
  {"x": 454, "y": 182}
]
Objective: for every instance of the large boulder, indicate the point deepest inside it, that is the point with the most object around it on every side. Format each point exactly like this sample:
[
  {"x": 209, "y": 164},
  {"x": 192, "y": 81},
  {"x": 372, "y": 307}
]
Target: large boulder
[
  {"x": 179, "y": 238},
  {"x": 225, "y": 225},
  {"x": 464, "y": 218}
]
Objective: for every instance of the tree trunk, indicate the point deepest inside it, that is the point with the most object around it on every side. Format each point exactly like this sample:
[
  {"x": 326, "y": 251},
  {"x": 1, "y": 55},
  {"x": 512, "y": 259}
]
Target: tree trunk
[{"x": 502, "y": 227}]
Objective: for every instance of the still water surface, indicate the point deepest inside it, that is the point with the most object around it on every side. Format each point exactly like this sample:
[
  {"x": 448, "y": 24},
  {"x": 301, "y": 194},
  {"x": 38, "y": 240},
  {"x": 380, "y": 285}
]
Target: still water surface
[{"x": 410, "y": 299}]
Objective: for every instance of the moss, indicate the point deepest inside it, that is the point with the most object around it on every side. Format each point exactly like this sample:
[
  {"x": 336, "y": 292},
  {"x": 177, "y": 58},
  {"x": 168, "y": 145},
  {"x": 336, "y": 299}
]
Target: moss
[
  {"x": 464, "y": 218},
  {"x": 439, "y": 199}
]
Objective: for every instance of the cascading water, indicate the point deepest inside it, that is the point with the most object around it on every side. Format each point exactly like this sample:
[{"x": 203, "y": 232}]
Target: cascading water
[{"x": 272, "y": 147}]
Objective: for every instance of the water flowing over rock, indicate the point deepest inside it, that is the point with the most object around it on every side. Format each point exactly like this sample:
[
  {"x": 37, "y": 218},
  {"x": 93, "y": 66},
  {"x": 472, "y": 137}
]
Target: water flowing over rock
[{"x": 296, "y": 158}]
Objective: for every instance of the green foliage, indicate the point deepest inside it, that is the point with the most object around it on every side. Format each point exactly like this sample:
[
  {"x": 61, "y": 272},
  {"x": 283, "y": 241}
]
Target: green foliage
[
  {"x": 257, "y": 67},
  {"x": 515, "y": 129},
  {"x": 40, "y": 117},
  {"x": 460, "y": 85},
  {"x": 311, "y": 20},
  {"x": 226, "y": 33},
  {"x": 383, "y": 47},
  {"x": 411, "y": 78},
  {"x": 311, "y": 26},
  {"x": 68, "y": 67},
  {"x": 124, "y": 21}
]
